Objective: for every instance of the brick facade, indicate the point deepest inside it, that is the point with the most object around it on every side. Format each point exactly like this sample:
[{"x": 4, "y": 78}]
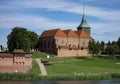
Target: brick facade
[
  {"x": 65, "y": 43},
  {"x": 15, "y": 62},
  {"x": 68, "y": 53}
]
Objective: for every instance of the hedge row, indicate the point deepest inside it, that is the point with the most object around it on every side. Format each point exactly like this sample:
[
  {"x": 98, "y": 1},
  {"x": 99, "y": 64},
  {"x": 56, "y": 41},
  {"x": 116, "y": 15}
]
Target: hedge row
[{"x": 34, "y": 76}]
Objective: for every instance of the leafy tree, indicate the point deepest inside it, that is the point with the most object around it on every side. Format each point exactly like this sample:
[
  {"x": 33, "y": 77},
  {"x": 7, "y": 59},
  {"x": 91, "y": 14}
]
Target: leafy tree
[
  {"x": 118, "y": 43},
  {"x": 102, "y": 45},
  {"x": 94, "y": 48},
  {"x": 109, "y": 43},
  {"x": 19, "y": 38},
  {"x": 113, "y": 49},
  {"x": 0, "y": 48},
  {"x": 33, "y": 40}
]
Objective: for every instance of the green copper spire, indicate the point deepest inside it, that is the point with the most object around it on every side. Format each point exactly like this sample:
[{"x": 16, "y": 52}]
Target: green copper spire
[{"x": 84, "y": 25}]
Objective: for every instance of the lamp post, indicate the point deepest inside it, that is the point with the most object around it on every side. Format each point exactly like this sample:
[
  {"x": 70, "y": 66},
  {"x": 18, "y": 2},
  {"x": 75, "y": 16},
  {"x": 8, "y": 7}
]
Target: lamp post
[{"x": 48, "y": 61}]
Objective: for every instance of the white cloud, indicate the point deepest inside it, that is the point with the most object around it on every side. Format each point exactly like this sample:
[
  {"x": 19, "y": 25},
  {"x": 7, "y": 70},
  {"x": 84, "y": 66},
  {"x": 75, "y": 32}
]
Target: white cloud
[
  {"x": 66, "y": 6},
  {"x": 100, "y": 31},
  {"x": 107, "y": 30},
  {"x": 12, "y": 20}
]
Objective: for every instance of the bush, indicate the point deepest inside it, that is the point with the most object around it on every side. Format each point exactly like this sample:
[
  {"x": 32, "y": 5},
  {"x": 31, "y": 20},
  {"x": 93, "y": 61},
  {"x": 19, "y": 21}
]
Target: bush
[
  {"x": 34, "y": 76},
  {"x": 115, "y": 75}
]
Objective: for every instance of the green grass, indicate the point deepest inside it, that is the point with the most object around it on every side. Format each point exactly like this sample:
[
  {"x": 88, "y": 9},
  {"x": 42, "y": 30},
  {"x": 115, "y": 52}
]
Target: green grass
[
  {"x": 78, "y": 65},
  {"x": 72, "y": 66},
  {"x": 43, "y": 55},
  {"x": 38, "y": 55},
  {"x": 35, "y": 67}
]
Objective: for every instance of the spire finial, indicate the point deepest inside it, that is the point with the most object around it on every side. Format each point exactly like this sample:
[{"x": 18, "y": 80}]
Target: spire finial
[{"x": 83, "y": 9}]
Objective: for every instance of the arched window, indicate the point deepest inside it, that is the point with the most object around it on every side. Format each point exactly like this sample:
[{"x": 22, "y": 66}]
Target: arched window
[
  {"x": 84, "y": 43},
  {"x": 53, "y": 43},
  {"x": 78, "y": 46},
  {"x": 62, "y": 41}
]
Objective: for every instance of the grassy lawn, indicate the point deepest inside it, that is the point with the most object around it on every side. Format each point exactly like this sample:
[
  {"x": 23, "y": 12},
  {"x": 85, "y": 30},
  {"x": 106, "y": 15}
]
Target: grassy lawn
[
  {"x": 76, "y": 65},
  {"x": 35, "y": 67}
]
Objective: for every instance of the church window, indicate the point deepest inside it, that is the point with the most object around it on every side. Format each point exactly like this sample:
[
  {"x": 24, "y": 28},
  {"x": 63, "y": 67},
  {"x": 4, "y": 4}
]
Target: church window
[
  {"x": 84, "y": 42},
  {"x": 52, "y": 43},
  {"x": 78, "y": 45},
  {"x": 62, "y": 41}
]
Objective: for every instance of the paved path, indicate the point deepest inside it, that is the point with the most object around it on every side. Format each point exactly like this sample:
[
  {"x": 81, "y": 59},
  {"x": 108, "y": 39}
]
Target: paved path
[{"x": 42, "y": 67}]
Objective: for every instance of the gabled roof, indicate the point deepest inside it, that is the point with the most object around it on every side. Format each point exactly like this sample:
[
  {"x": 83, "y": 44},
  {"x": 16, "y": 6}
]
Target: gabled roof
[
  {"x": 70, "y": 33},
  {"x": 82, "y": 34},
  {"x": 18, "y": 51},
  {"x": 53, "y": 33}
]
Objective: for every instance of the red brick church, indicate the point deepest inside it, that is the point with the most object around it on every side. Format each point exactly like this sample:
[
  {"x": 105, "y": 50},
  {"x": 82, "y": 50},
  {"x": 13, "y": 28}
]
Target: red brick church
[{"x": 66, "y": 42}]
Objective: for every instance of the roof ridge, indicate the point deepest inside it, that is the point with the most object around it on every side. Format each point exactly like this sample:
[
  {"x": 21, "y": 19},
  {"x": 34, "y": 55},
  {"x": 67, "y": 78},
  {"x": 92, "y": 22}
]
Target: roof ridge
[
  {"x": 70, "y": 33},
  {"x": 60, "y": 33},
  {"x": 83, "y": 33}
]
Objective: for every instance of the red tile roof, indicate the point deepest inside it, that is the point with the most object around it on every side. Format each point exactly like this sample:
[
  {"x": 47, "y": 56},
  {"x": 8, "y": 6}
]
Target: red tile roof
[
  {"x": 64, "y": 33},
  {"x": 82, "y": 34},
  {"x": 5, "y": 55},
  {"x": 70, "y": 33},
  {"x": 18, "y": 51},
  {"x": 53, "y": 33}
]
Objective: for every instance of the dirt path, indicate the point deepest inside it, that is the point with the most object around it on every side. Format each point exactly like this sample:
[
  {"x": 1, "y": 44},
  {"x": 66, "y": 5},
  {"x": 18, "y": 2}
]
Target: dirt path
[{"x": 42, "y": 67}]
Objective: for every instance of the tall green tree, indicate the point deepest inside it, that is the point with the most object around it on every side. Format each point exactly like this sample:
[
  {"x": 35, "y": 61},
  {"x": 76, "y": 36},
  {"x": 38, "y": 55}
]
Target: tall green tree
[
  {"x": 94, "y": 48},
  {"x": 118, "y": 43},
  {"x": 113, "y": 49},
  {"x": 109, "y": 43},
  {"x": 102, "y": 45},
  {"x": 19, "y": 38},
  {"x": 33, "y": 40}
]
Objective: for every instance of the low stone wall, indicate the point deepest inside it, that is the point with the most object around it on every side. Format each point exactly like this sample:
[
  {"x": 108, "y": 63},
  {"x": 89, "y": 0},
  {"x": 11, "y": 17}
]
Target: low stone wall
[
  {"x": 68, "y": 53},
  {"x": 14, "y": 69}
]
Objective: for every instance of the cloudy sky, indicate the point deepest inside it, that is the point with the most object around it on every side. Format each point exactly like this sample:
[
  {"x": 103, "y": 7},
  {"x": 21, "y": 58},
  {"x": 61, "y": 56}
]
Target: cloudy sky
[{"x": 38, "y": 15}]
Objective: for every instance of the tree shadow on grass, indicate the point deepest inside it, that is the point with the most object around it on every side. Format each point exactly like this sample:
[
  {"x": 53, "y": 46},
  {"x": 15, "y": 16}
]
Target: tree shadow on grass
[{"x": 86, "y": 58}]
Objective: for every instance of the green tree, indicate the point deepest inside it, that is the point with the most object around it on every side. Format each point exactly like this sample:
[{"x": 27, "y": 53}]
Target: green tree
[
  {"x": 19, "y": 38},
  {"x": 113, "y": 49},
  {"x": 0, "y": 48},
  {"x": 94, "y": 48},
  {"x": 109, "y": 43},
  {"x": 33, "y": 40},
  {"x": 118, "y": 43},
  {"x": 102, "y": 45}
]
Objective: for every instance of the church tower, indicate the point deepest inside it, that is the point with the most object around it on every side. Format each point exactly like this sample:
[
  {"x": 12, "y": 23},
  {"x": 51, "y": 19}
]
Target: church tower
[{"x": 84, "y": 25}]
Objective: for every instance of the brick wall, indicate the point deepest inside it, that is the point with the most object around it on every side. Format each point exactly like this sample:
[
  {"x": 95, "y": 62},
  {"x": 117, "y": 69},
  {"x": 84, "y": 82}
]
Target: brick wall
[
  {"x": 67, "y": 53},
  {"x": 23, "y": 60},
  {"x": 16, "y": 63},
  {"x": 6, "y": 61},
  {"x": 11, "y": 69}
]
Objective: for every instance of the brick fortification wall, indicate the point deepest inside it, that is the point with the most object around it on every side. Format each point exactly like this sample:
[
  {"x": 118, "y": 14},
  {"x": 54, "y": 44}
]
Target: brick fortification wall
[
  {"x": 14, "y": 68},
  {"x": 14, "y": 63},
  {"x": 68, "y": 53},
  {"x": 6, "y": 61}
]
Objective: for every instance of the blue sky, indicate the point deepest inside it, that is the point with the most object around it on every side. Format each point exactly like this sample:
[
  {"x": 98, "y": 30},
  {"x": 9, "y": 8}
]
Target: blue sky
[{"x": 38, "y": 15}]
